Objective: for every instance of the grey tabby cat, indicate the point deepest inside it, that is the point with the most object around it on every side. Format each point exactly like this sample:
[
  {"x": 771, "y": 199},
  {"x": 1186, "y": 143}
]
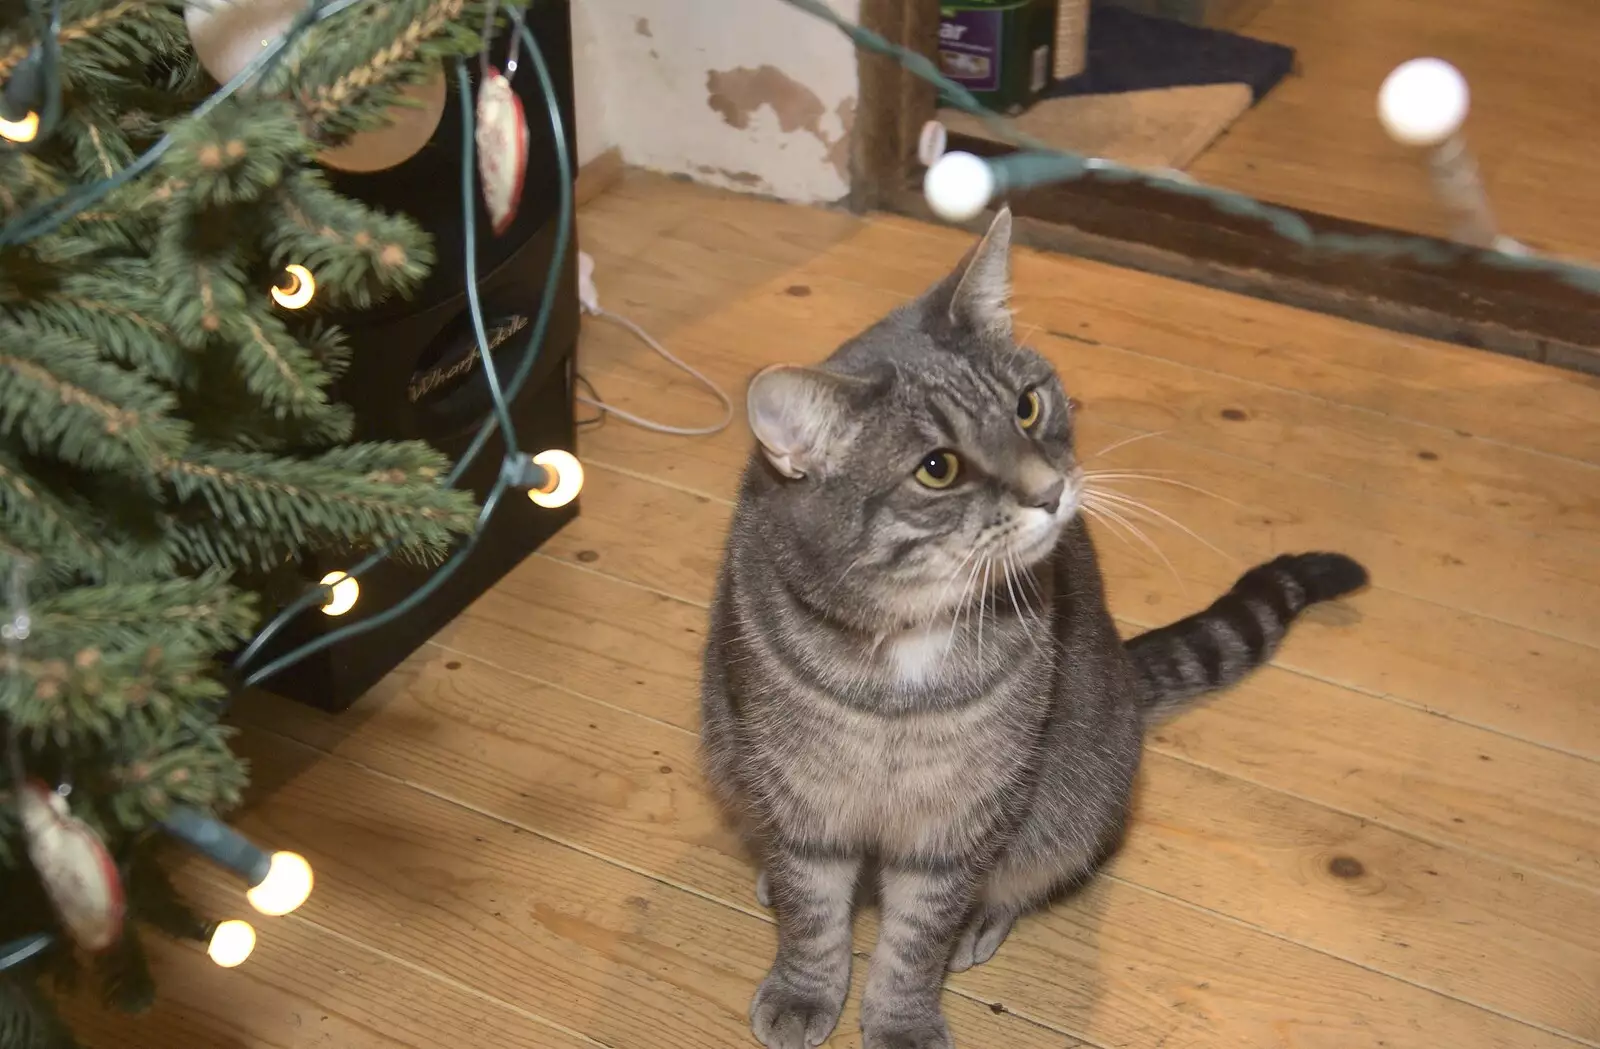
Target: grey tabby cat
[{"x": 911, "y": 664}]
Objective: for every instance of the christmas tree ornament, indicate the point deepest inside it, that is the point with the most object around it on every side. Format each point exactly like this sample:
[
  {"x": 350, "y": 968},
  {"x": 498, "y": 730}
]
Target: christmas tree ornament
[
  {"x": 229, "y": 34},
  {"x": 127, "y": 690},
  {"x": 74, "y": 866},
  {"x": 410, "y": 126},
  {"x": 502, "y": 136}
]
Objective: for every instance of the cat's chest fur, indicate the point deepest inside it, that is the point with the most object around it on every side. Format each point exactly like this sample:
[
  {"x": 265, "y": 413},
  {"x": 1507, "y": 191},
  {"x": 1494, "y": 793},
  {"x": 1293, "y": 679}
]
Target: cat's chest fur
[
  {"x": 898, "y": 778},
  {"x": 901, "y": 783}
]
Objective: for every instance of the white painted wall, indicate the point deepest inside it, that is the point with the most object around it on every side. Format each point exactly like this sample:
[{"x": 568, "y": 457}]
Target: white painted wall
[
  {"x": 752, "y": 95},
  {"x": 588, "y": 85}
]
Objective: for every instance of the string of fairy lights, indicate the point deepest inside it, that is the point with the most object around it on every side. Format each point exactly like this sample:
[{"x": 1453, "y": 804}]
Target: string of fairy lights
[
  {"x": 960, "y": 185},
  {"x": 30, "y": 108},
  {"x": 277, "y": 883}
]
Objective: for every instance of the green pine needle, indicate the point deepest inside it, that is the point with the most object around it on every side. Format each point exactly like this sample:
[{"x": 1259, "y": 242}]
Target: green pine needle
[{"x": 171, "y": 449}]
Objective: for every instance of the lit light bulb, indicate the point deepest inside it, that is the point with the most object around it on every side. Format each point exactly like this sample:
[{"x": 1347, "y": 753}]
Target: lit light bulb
[
  {"x": 231, "y": 943},
  {"x": 563, "y": 479},
  {"x": 958, "y": 186},
  {"x": 1423, "y": 102},
  {"x": 286, "y": 886},
  {"x": 345, "y": 590},
  {"x": 24, "y": 130},
  {"x": 302, "y": 286}
]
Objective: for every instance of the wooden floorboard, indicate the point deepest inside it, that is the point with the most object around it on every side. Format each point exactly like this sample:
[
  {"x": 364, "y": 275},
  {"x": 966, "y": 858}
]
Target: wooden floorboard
[
  {"x": 1314, "y": 142},
  {"x": 1391, "y": 837}
]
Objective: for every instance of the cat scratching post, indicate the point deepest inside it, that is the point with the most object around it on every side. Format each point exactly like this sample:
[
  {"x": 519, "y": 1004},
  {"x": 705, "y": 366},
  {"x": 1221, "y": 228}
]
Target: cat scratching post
[{"x": 1072, "y": 38}]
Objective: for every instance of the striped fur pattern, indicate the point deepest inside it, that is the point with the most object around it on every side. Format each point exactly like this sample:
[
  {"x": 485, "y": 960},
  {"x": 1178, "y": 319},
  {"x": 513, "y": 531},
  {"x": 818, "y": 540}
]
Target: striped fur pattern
[
  {"x": 911, "y": 682},
  {"x": 1239, "y": 632}
]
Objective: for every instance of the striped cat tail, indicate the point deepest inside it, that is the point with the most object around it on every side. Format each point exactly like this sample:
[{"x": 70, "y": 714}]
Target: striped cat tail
[{"x": 1239, "y": 632}]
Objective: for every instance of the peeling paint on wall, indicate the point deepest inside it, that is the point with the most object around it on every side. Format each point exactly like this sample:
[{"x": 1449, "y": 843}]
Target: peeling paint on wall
[
  {"x": 747, "y": 179},
  {"x": 736, "y": 94},
  {"x": 758, "y": 97}
]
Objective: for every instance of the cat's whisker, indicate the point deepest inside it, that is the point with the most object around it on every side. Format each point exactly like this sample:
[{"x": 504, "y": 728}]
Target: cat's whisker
[
  {"x": 1011, "y": 590},
  {"x": 850, "y": 568},
  {"x": 962, "y": 605},
  {"x": 939, "y": 606},
  {"x": 1117, "y": 524},
  {"x": 1147, "y": 541},
  {"x": 1125, "y": 442},
  {"x": 1133, "y": 505},
  {"x": 1135, "y": 512},
  {"x": 1100, "y": 515},
  {"x": 1101, "y": 476},
  {"x": 983, "y": 605},
  {"x": 1025, "y": 618},
  {"x": 1033, "y": 585}
]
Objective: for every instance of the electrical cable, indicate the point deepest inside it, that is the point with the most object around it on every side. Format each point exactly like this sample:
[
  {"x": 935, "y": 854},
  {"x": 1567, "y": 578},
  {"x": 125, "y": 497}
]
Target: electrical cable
[
  {"x": 650, "y": 424},
  {"x": 469, "y": 219},
  {"x": 589, "y": 299},
  {"x": 535, "y": 341},
  {"x": 598, "y": 419},
  {"x": 46, "y": 217},
  {"x": 1041, "y": 164},
  {"x": 39, "y": 220}
]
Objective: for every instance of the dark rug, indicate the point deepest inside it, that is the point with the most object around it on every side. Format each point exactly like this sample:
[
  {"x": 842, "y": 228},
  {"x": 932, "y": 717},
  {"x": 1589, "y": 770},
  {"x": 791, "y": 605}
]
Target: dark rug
[{"x": 1134, "y": 52}]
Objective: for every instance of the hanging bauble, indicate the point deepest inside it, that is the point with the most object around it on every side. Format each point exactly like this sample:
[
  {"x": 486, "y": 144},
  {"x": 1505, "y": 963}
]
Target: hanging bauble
[
  {"x": 229, "y": 34},
  {"x": 502, "y": 136},
  {"x": 409, "y": 128},
  {"x": 74, "y": 867}
]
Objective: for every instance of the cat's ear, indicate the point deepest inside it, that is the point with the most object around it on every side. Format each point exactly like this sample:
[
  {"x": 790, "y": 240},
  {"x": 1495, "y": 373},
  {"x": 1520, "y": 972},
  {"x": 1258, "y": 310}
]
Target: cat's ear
[
  {"x": 980, "y": 301},
  {"x": 802, "y": 417}
]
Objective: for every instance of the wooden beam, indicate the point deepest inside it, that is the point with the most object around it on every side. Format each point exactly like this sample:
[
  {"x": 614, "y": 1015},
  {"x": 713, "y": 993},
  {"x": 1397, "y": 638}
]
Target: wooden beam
[
  {"x": 1469, "y": 302},
  {"x": 892, "y": 105}
]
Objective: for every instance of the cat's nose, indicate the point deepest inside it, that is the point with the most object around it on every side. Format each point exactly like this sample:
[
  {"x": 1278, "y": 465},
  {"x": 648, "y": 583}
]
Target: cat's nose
[{"x": 1048, "y": 500}]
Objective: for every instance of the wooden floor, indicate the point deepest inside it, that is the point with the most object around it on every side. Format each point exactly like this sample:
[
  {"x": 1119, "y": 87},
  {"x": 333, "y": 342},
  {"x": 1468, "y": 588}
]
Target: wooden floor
[
  {"x": 1391, "y": 838},
  {"x": 1315, "y": 141}
]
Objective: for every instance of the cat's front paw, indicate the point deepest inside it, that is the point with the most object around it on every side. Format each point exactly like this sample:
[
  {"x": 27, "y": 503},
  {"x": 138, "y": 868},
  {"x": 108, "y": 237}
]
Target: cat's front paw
[
  {"x": 930, "y": 1034},
  {"x": 786, "y": 1017},
  {"x": 983, "y": 936}
]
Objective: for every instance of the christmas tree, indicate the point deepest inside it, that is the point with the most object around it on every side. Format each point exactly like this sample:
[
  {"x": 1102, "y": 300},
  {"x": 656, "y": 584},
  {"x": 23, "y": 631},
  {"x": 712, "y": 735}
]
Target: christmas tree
[{"x": 168, "y": 444}]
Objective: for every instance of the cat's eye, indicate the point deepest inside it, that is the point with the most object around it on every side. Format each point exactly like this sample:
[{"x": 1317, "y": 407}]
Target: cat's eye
[
  {"x": 1029, "y": 408},
  {"x": 938, "y": 469}
]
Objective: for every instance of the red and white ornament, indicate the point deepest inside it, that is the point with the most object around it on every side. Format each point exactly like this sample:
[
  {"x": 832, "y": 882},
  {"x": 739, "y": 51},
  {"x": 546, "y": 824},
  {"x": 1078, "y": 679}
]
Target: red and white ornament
[
  {"x": 75, "y": 867},
  {"x": 502, "y": 136}
]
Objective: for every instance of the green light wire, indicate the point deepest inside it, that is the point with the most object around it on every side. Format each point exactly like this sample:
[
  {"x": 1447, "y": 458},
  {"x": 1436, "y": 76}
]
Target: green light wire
[
  {"x": 508, "y": 476},
  {"x": 47, "y": 216},
  {"x": 1041, "y": 164},
  {"x": 469, "y": 214}
]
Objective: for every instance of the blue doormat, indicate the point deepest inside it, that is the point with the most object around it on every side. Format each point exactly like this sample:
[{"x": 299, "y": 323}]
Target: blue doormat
[{"x": 1134, "y": 52}]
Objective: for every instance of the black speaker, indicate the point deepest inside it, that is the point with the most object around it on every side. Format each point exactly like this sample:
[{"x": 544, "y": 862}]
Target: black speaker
[{"x": 415, "y": 373}]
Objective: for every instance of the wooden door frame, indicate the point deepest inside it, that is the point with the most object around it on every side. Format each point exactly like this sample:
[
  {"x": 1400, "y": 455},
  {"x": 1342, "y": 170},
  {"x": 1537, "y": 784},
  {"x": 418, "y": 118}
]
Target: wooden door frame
[{"x": 1470, "y": 301}]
